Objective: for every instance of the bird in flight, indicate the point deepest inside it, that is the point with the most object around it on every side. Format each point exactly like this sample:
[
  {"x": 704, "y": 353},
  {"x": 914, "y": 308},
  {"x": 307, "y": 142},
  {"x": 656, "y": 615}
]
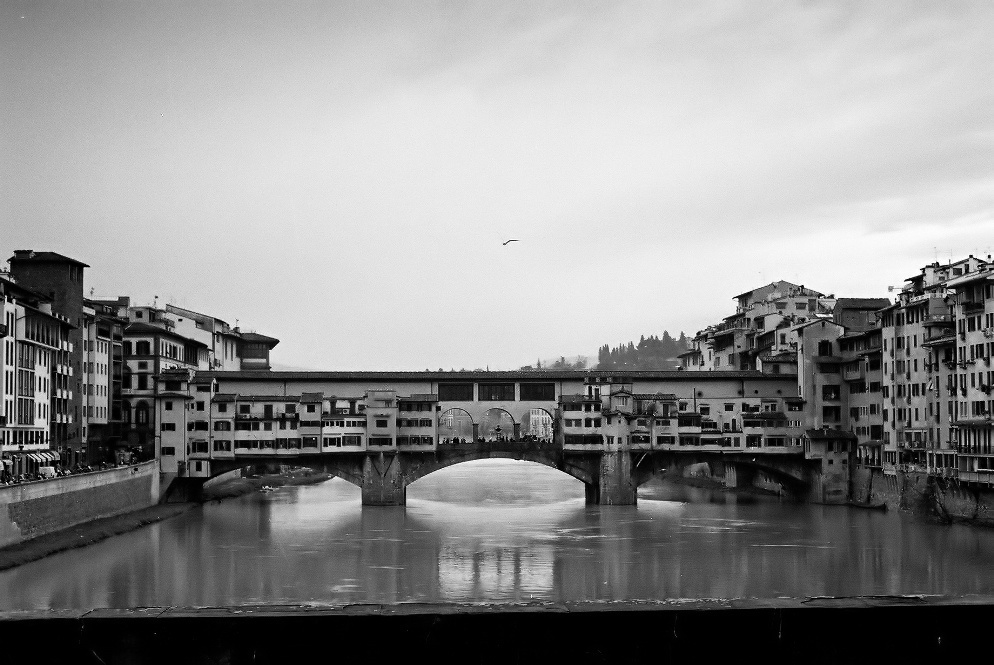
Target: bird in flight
[{"x": 512, "y": 240}]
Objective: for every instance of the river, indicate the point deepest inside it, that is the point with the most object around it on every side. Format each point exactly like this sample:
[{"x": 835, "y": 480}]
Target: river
[{"x": 505, "y": 531}]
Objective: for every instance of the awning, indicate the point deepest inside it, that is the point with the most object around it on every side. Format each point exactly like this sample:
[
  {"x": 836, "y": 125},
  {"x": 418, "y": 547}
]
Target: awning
[{"x": 43, "y": 457}]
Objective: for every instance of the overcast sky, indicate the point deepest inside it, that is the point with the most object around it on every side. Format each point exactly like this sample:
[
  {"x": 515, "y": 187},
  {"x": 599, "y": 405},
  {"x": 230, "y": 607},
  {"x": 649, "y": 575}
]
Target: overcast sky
[{"x": 342, "y": 175}]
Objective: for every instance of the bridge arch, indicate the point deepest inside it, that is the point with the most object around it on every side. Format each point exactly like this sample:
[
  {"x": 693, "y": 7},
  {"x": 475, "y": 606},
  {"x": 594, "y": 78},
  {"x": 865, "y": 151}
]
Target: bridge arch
[
  {"x": 538, "y": 423},
  {"x": 583, "y": 470},
  {"x": 733, "y": 469},
  {"x": 497, "y": 422},
  {"x": 455, "y": 424}
]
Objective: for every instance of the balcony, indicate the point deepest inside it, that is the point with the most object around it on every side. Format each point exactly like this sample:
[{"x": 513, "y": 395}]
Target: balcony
[
  {"x": 972, "y": 306},
  {"x": 937, "y": 319}
]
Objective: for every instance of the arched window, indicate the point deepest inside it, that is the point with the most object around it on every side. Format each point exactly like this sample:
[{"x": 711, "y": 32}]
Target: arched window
[
  {"x": 141, "y": 413},
  {"x": 126, "y": 413}
]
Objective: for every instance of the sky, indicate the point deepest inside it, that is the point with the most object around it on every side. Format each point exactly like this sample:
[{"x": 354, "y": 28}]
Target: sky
[{"x": 343, "y": 175}]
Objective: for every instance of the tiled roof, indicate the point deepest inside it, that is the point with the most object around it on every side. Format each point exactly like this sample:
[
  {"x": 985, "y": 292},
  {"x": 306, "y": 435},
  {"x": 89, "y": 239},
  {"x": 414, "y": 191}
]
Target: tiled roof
[
  {"x": 578, "y": 398},
  {"x": 782, "y": 357},
  {"x": 51, "y": 257},
  {"x": 655, "y": 396},
  {"x": 174, "y": 393},
  {"x": 311, "y": 398},
  {"x": 256, "y": 338},
  {"x": 225, "y": 397},
  {"x": 862, "y": 303},
  {"x": 140, "y": 328},
  {"x": 268, "y": 398}
]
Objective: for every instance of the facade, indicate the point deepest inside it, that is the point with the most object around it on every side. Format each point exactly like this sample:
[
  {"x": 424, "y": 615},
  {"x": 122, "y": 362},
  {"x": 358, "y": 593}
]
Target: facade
[
  {"x": 103, "y": 372},
  {"x": 59, "y": 279},
  {"x": 921, "y": 354},
  {"x": 36, "y": 390},
  {"x": 969, "y": 385}
]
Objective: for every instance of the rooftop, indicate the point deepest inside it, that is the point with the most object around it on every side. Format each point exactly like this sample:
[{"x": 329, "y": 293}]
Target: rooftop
[
  {"x": 256, "y": 338},
  {"x": 861, "y": 303},
  {"x": 44, "y": 257},
  {"x": 139, "y": 328}
]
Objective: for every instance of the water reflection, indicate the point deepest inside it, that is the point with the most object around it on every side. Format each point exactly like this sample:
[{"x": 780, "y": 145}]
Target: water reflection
[{"x": 505, "y": 531}]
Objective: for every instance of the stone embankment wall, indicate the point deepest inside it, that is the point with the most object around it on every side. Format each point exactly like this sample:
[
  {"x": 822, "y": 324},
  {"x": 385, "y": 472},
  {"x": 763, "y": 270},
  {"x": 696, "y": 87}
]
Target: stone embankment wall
[
  {"x": 33, "y": 509},
  {"x": 919, "y": 493}
]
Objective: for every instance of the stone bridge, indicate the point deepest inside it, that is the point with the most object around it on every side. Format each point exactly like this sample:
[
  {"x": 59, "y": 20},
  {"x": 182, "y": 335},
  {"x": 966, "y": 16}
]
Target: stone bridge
[{"x": 610, "y": 477}]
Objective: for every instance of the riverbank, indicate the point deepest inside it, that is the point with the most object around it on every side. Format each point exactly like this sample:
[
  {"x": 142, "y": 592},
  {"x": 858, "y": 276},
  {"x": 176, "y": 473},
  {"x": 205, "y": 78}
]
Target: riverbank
[
  {"x": 87, "y": 534},
  {"x": 241, "y": 486}
]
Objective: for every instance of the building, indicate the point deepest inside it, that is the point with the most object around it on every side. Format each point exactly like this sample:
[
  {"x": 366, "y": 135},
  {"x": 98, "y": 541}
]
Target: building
[
  {"x": 60, "y": 279},
  {"x": 919, "y": 361},
  {"x": 968, "y": 387},
  {"x": 36, "y": 391},
  {"x": 103, "y": 373},
  {"x": 759, "y": 326}
]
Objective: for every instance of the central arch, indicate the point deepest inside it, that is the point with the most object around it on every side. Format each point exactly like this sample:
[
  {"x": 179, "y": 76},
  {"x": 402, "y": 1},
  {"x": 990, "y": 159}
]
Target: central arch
[
  {"x": 497, "y": 423},
  {"x": 586, "y": 470}
]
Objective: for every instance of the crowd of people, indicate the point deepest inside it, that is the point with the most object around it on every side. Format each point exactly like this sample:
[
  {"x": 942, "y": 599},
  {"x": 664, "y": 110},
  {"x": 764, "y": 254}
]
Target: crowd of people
[
  {"x": 494, "y": 439},
  {"x": 58, "y": 471}
]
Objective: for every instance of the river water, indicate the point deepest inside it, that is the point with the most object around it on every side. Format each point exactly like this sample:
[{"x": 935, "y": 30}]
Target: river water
[{"x": 505, "y": 531}]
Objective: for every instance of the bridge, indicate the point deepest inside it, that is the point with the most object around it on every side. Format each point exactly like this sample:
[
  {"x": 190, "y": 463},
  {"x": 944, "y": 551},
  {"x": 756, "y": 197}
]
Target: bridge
[{"x": 610, "y": 476}]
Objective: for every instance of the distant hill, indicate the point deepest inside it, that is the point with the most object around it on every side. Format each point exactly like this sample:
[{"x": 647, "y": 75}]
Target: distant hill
[
  {"x": 650, "y": 353},
  {"x": 562, "y": 362}
]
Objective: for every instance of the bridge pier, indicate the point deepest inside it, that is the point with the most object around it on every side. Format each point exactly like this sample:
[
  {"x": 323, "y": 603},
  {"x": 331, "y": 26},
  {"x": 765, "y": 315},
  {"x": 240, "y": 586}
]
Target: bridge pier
[
  {"x": 614, "y": 485},
  {"x": 383, "y": 484}
]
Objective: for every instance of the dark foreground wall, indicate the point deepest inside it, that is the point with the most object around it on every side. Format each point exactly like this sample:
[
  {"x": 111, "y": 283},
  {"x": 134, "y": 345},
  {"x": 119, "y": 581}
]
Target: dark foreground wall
[
  {"x": 816, "y": 630},
  {"x": 34, "y": 509}
]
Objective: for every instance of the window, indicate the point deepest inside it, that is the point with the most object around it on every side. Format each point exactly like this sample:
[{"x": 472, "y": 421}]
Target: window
[
  {"x": 496, "y": 392},
  {"x": 222, "y": 408},
  {"x": 168, "y": 427},
  {"x": 380, "y": 441},
  {"x": 538, "y": 392},
  {"x": 291, "y": 408},
  {"x": 168, "y": 451},
  {"x": 244, "y": 408},
  {"x": 382, "y": 422},
  {"x": 310, "y": 408},
  {"x": 169, "y": 406},
  {"x": 455, "y": 392},
  {"x": 222, "y": 426},
  {"x": 200, "y": 406}
]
